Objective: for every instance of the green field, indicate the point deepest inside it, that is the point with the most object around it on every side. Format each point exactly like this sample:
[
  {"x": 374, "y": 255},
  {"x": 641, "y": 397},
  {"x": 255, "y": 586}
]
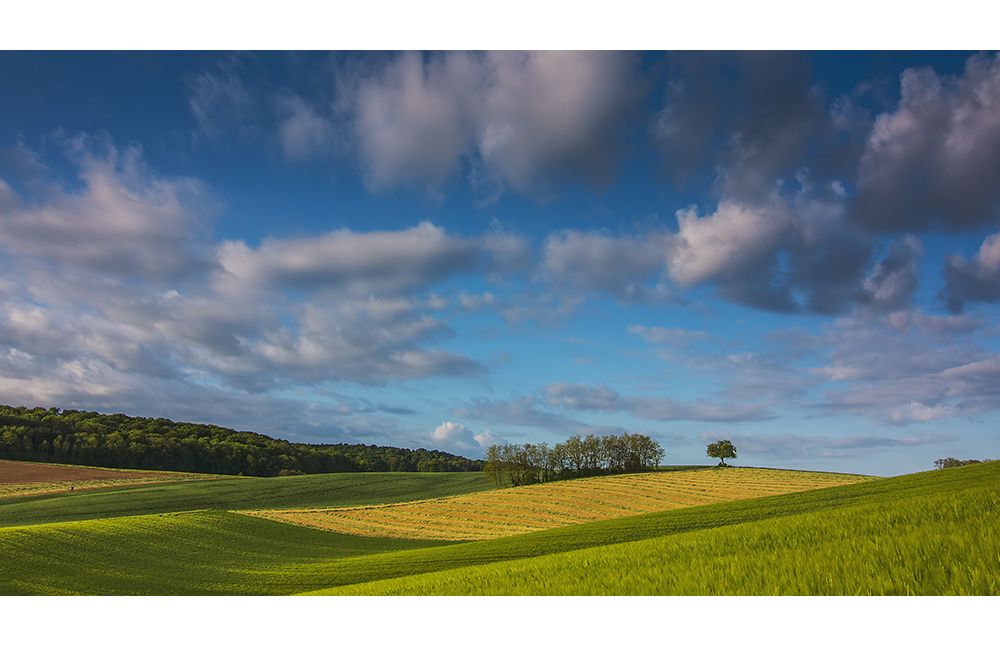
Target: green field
[
  {"x": 925, "y": 533},
  {"x": 322, "y": 490},
  {"x": 934, "y": 544}
]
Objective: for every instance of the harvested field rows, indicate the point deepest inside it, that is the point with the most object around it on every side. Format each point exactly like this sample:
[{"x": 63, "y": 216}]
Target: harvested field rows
[{"x": 507, "y": 512}]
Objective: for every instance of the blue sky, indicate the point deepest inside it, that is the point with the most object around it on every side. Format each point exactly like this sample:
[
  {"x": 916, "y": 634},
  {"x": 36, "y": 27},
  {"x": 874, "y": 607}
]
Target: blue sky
[{"x": 796, "y": 251}]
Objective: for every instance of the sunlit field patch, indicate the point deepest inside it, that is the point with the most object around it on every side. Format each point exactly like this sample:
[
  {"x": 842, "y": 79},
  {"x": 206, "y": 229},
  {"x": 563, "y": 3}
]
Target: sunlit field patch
[
  {"x": 946, "y": 544},
  {"x": 507, "y": 512}
]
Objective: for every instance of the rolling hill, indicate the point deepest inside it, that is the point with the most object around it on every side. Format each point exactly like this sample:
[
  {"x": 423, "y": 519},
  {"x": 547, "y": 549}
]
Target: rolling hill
[{"x": 924, "y": 533}]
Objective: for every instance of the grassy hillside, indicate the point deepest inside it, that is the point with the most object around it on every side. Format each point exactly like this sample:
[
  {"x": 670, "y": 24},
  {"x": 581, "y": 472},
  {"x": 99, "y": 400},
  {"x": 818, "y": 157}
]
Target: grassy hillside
[
  {"x": 927, "y": 534},
  {"x": 495, "y": 514},
  {"x": 205, "y": 553},
  {"x": 321, "y": 490},
  {"x": 224, "y": 553}
]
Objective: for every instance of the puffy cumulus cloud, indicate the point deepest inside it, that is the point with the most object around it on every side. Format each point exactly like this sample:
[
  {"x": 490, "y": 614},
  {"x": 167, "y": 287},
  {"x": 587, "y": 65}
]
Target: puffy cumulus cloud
[
  {"x": 527, "y": 121},
  {"x": 452, "y": 436},
  {"x": 488, "y": 438},
  {"x": 727, "y": 244},
  {"x": 594, "y": 262},
  {"x": 409, "y": 120},
  {"x": 977, "y": 281},
  {"x": 457, "y": 438},
  {"x": 380, "y": 261},
  {"x": 795, "y": 254},
  {"x": 933, "y": 162},
  {"x": 124, "y": 222}
]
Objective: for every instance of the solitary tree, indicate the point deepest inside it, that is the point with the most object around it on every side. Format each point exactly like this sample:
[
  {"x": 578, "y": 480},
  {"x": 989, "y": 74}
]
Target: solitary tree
[{"x": 722, "y": 449}]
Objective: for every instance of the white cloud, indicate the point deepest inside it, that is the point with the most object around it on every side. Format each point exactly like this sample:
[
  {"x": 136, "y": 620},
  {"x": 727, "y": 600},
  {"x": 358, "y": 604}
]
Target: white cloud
[
  {"x": 111, "y": 280},
  {"x": 452, "y": 436},
  {"x": 379, "y": 261},
  {"x": 524, "y": 120},
  {"x": 124, "y": 222},
  {"x": 488, "y": 438},
  {"x": 733, "y": 240}
]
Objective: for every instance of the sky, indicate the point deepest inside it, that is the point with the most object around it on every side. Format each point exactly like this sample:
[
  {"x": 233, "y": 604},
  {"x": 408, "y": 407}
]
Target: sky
[{"x": 797, "y": 251}]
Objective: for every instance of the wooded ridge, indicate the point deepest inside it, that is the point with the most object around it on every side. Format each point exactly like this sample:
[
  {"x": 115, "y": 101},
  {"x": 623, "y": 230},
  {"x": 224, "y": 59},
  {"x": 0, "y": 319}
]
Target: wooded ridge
[{"x": 123, "y": 442}]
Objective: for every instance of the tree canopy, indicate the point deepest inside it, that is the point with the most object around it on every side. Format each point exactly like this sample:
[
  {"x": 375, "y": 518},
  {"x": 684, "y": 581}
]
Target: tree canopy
[
  {"x": 722, "y": 449},
  {"x": 946, "y": 463},
  {"x": 522, "y": 464},
  {"x": 119, "y": 441}
]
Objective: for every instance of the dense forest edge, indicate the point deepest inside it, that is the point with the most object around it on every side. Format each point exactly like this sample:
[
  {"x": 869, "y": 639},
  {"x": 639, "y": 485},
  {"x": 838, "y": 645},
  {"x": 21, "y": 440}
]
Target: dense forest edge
[{"x": 121, "y": 442}]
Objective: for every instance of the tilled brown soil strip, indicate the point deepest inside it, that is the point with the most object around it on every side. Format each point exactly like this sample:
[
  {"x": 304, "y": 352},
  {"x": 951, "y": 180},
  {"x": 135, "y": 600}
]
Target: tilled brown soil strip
[{"x": 25, "y": 478}]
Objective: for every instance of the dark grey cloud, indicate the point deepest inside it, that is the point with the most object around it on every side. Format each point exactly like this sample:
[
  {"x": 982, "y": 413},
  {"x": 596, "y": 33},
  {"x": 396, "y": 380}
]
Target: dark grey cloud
[
  {"x": 785, "y": 255},
  {"x": 752, "y": 116},
  {"x": 932, "y": 163},
  {"x": 892, "y": 282},
  {"x": 977, "y": 281}
]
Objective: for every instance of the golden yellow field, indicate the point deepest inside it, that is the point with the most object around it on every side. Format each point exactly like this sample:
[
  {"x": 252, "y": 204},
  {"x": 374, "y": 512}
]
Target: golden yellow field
[{"x": 569, "y": 502}]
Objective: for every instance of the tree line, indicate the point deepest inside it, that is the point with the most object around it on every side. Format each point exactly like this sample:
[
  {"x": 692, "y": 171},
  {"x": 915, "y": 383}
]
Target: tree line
[
  {"x": 946, "y": 463},
  {"x": 523, "y": 464},
  {"x": 122, "y": 442}
]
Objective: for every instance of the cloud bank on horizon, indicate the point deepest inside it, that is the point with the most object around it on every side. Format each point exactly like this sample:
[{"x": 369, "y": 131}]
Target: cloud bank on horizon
[{"x": 799, "y": 252}]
